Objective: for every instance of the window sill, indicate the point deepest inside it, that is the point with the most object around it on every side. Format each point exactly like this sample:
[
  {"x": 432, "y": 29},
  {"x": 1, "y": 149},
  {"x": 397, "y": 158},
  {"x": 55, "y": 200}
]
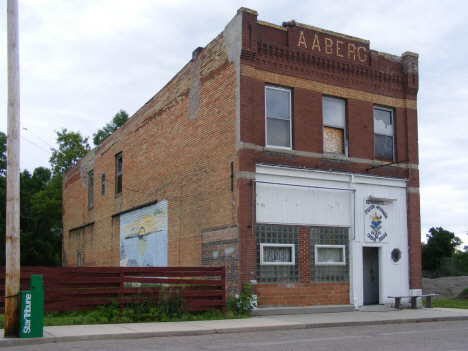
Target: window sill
[
  {"x": 278, "y": 149},
  {"x": 335, "y": 157},
  {"x": 118, "y": 195}
]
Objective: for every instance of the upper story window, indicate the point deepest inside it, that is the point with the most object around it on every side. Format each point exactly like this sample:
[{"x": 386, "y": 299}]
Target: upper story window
[
  {"x": 90, "y": 188},
  {"x": 384, "y": 133},
  {"x": 278, "y": 117},
  {"x": 118, "y": 173},
  {"x": 103, "y": 184},
  {"x": 334, "y": 125}
]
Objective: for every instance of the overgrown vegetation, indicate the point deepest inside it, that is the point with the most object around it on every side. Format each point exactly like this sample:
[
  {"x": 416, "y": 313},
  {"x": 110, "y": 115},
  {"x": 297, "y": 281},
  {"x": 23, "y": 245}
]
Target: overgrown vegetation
[
  {"x": 141, "y": 309},
  {"x": 440, "y": 257}
]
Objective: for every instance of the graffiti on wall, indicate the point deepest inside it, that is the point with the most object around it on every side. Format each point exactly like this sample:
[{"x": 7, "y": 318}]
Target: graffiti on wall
[{"x": 143, "y": 237}]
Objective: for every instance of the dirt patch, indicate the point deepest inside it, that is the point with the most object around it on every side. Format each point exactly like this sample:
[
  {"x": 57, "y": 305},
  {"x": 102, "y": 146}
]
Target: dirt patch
[{"x": 446, "y": 287}]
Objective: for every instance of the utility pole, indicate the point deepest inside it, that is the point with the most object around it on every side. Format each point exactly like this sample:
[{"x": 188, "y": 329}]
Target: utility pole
[{"x": 12, "y": 249}]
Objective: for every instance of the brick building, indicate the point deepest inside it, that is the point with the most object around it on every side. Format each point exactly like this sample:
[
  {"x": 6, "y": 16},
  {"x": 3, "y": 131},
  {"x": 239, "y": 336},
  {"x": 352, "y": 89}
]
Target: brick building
[{"x": 288, "y": 154}]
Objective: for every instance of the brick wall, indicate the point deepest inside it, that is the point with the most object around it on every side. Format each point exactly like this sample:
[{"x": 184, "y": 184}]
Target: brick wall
[
  {"x": 180, "y": 145},
  {"x": 177, "y": 148},
  {"x": 379, "y": 79},
  {"x": 220, "y": 248},
  {"x": 303, "y": 294}
]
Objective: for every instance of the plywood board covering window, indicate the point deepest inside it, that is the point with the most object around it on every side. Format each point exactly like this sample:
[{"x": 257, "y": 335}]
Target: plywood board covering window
[{"x": 333, "y": 140}]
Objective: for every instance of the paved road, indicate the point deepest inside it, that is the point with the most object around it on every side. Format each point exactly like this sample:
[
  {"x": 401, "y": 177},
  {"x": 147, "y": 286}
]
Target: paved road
[{"x": 446, "y": 336}]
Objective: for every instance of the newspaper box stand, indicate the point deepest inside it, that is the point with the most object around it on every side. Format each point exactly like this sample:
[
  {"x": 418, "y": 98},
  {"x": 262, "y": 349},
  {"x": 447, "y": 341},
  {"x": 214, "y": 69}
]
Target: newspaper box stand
[{"x": 32, "y": 309}]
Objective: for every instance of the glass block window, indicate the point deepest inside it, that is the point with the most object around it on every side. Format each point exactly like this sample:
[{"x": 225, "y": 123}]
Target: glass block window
[
  {"x": 279, "y": 236},
  {"x": 331, "y": 237}
]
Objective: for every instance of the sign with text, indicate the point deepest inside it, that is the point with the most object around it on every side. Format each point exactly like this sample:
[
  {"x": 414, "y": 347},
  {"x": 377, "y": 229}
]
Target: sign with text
[
  {"x": 375, "y": 221},
  {"x": 353, "y": 50}
]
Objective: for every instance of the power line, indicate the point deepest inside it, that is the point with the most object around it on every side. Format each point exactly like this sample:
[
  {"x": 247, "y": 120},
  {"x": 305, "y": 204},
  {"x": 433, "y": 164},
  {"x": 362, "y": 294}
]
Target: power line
[
  {"x": 134, "y": 190},
  {"x": 36, "y": 135},
  {"x": 36, "y": 145}
]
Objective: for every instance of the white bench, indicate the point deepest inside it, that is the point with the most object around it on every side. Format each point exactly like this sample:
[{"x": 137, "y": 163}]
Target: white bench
[{"x": 414, "y": 301}]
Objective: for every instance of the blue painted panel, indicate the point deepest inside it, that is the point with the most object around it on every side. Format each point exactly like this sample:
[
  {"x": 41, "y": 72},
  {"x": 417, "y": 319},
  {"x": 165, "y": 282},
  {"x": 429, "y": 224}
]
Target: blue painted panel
[{"x": 143, "y": 237}]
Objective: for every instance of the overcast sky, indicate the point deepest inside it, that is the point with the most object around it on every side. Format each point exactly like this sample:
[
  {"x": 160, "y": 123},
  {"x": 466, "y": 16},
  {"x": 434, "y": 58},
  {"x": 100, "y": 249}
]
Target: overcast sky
[{"x": 83, "y": 61}]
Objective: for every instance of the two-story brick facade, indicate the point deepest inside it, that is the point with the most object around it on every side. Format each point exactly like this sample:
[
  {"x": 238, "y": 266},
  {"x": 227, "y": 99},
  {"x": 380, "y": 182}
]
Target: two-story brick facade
[{"x": 288, "y": 154}]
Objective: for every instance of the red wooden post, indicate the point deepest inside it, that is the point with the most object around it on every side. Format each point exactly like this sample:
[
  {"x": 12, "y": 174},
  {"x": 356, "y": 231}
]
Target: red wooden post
[
  {"x": 121, "y": 292},
  {"x": 223, "y": 284}
]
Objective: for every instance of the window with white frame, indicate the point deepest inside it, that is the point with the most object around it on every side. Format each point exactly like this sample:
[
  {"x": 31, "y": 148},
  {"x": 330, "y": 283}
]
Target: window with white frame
[
  {"x": 277, "y": 254},
  {"x": 334, "y": 125},
  {"x": 278, "y": 117},
  {"x": 279, "y": 236},
  {"x": 331, "y": 255},
  {"x": 383, "y": 133}
]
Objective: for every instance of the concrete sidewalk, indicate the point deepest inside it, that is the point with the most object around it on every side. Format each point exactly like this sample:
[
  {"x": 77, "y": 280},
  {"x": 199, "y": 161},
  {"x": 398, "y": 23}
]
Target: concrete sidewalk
[{"x": 368, "y": 315}]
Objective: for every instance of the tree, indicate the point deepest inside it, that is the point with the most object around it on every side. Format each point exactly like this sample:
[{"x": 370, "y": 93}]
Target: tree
[
  {"x": 41, "y": 202},
  {"x": 41, "y": 221},
  {"x": 102, "y": 134},
  {"x": 440, "y": 243},
  {"x": 460, "y": 259},
  {"x": 3, "y": 153},
  {"x": 72, "y": 148}
]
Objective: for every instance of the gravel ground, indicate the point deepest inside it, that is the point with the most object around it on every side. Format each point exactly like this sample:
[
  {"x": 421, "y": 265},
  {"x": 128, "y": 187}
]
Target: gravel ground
[{"x": 446, "y": 287}]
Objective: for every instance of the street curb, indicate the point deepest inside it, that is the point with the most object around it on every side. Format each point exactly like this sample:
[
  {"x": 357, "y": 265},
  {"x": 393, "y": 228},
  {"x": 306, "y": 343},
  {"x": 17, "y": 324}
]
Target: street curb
[
  {"x": 10, "y": 342},
  {"x": 385, "y": 321}
]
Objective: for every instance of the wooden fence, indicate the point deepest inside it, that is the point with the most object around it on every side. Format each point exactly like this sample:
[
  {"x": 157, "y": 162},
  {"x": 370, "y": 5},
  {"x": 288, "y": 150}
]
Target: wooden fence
[{"x": 84, "y": 288}]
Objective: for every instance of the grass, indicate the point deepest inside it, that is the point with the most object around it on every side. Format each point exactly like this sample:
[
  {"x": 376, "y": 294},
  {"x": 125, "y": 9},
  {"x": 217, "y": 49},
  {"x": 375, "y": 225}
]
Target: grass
[
  {"x": 165, "y": 310},
  {"x": 461, "y": 301},
  {"x": 450, "y": 303}
]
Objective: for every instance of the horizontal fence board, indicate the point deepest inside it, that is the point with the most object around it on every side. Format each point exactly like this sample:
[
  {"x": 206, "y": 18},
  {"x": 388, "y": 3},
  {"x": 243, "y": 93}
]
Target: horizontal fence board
[
  {"x": 172, "y": 281},
  {"x": 83, "y": 288}
]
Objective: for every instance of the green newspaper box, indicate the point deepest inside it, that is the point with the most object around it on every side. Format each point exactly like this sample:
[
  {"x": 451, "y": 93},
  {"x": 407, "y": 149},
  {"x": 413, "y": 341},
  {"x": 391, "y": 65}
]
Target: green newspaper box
[{"x": 32, "y": 309}]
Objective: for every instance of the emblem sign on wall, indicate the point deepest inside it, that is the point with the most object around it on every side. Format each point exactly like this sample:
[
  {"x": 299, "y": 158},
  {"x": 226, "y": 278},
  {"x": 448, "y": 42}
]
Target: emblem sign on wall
[{"x": 376, "y": 216}]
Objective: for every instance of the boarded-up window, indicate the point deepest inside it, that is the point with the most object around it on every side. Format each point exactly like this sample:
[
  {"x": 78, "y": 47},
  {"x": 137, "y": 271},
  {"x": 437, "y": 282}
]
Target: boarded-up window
[{"x": 334, "y": 125}]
